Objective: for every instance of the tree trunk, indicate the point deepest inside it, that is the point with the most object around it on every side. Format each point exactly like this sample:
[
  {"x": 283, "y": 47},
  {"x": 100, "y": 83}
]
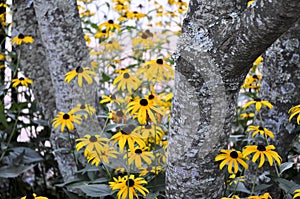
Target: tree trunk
[
  {"x": 215, "y": 53},
  {"x": 58, "y": 48}
]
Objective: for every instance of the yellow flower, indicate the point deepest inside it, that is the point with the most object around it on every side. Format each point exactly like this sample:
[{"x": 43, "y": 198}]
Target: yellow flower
[
  {"x": 119, "y": 116},
  {"x": 110, "y": 99},
  {"x": 264, "y": 196},
  {"x": 128, "y": 186},
  {"x": 139, "y": 155},
  {"x": 21, "y": 81},
  {"x": 258, "y": 104},
  {"x": 81, "y": 73},
  {"x": 158, "y": 70},
  {"x": 151, "y": 169},
  {"x": 232, "y": 197},
  {"x": 128, "y": 81},
  {"x": 109, "y": 26},
  {"x": 259, "y": 59},
  {"x": 135, "y": 15},
  {"x": 111, "y": 46},
  {"x": 106, "y": 152},
  {"x": 151, "y": 133},
  {"x": 66, "y": 119},
  {"x": 84, "y": 109},
  {"x": 87, "y": 38},
  {"x": 143, "y": 109},
  {"x": 126, "y": 135},
  {"x": 294, "y": 111},
  {"x": 22, "y": 39},
  {"x": 247, "y": 115},
  {"x": 250, "y": 3},
  {"x": 232, "y": 158},
  {"x": 261, "y": 130},
  {"x": 102, "y": 34},
  {"x": 262, "y": 151},
  {"x": 33, "y": 196},
  {"x": 92, "y": 143},
  {"x": 297, "y": 193},
  {"x": 145, "y": 41}
]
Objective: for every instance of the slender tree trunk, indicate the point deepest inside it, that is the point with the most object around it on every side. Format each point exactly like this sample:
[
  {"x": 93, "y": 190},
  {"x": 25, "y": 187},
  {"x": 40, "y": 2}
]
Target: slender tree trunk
[{"x": 216, "y": 51}]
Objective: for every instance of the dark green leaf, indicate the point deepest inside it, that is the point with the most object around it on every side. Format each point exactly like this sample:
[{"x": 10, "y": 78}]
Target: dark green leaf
[
  {"x": 285, "y": 166},
  {"x": 96, "y": 190},
  {"x": 13, "y": 171}
]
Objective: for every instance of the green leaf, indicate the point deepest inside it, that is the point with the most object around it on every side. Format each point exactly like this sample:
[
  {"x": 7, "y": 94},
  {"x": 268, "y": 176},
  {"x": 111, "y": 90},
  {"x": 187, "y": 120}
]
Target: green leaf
[
  {"x": 14, "y": 171},
  {"x": 240, "y": 187},
  {"x": 105, "y": 78},
  {"x": 285, "y": 166},
  {"x": 262, "y": 187},
  {"x": 96, "y": 190},
  {"x": 27, "y": 154},
  {"x": 71, "y": 181},
  {"x": 112, "y": 126},
  {"x": 286, "y": 185},
  {"x": 152, "y": 195},
  {"x": 2, "y": 116}
]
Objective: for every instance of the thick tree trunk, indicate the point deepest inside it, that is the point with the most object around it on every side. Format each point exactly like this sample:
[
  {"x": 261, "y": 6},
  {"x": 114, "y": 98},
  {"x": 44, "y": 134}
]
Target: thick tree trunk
[
  {"x": 216, "y": 51},
  {"x": 58, "y": 48}
]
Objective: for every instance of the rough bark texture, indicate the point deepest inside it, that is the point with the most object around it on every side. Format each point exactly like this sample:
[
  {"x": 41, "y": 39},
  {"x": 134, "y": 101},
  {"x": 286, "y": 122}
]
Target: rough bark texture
[
  {"x": 58, "y": 48},
  {"x": 215, "y": 53},
  {"x": 33, "y": 58}
]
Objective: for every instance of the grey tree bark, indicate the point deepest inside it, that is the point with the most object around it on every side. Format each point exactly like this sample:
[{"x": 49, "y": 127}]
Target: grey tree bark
[
  {"x": 220, "y": 41},
  {"x": 58, "y": 48}
]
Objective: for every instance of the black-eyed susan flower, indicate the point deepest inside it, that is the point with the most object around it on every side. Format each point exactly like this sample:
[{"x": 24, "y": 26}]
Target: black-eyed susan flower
[
  {"x": 144, "y": 110},
  {"x": 139, "y": 155},
  {"x": 258, "y": 60},
  {"x": 109, "y": 26},
  {"x": 234, "y": 179},
  {"x": 158, "y": 70},
  {"x": 135, "y": 15},
  {"x": 247, "y": 115},
  {"x": 84, "y": 109},
  {"x": 127, "y": 81},
  {"x": 296, "y": 193},
  {"x": 119, "y": 116},
  {"x": 258, "y": 104},
  {"x": 232, "y": 197},
  {"x": 33, "y": 196},
  {"x": 233, "y": 158},
  {"x": 264, "y": 196},
  {"x": 21, "y": 81},
  {"x": 129, "y": 186},
  {"x": 127, "y": 136},
  {"x": 150, "y": 132},
  {"x": 111, "y": 46},
  {"x": 252, "y": 82},
  {"x": 106, "y": 152},
  {"x": 66, "y": 120},
  {"x": 91, "y": 143},
  {"x": 294, "y": 111},
  {"x": 22, "y": 39},
  {"x": 249, "y": 3},
  {"x": 102, "y": 34},
  {"x": 110, "y": 99},
  {"x": 260, "y": 152},
  {"x": 80, "y": 73},
  {"x": 151, "y": 169},
  {"x": 261, "y": 130},
  {"x": 145, "y": 41}
]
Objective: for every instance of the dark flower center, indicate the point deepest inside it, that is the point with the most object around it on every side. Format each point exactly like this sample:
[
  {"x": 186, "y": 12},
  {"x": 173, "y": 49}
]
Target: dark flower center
[
  {"x": 103, "y": 31},
  {"x": 79, "y": 69},
  {"x": 147, "y": 126},
  {"x": 257, "y": 100},
  {"x": 110, "y": 21},
  {"x": 126, "y": 75},
  {"x": 135, "y": 12},
  {"x": 110, "y": 42},
  {"x": 82, "y": 106},
  {"x": 21, "y": 36},
  {"x": 255, "y": 76},
  {"x": 21, "y": 78},
  {"x": 93, "y": 139},
  {"x": 144, "y": 36},
  {"x": 234, "y": 154},
  {"x": 66, "y": 116},
  {"x": 261, "y": 128},
  {"x": 159, "y": 61},
  {"x": 144, "y": 102},
  {"x": 127, "y": 129},
  {"x": 138, "y": 151},
  {"x": 130, "y": 182},
  {"x": 151, "y": 97},
  {"x": 29, "y": 196},
  {"x": 261, "y": 147},
  {"x": 113, "y": 97},
  {"x": 120, "y": 113}
]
